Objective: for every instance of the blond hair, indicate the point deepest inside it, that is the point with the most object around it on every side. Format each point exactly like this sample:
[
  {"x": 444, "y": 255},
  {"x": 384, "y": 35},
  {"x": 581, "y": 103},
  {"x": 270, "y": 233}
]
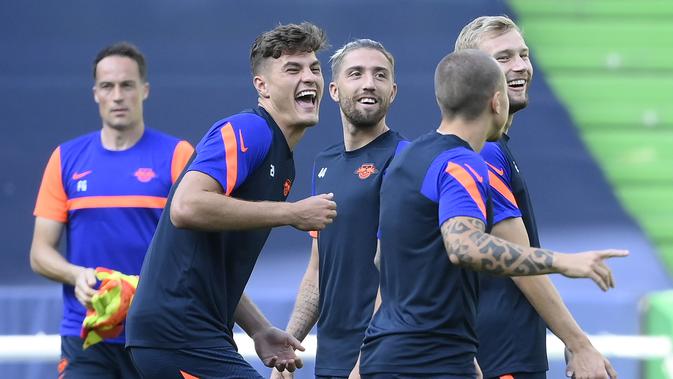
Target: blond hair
[{"x": 492, "y": 26}]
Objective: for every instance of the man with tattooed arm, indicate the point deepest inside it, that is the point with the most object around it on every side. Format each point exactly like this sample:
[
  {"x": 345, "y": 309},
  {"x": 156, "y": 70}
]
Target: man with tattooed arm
[{"x": 433, "y": 222}]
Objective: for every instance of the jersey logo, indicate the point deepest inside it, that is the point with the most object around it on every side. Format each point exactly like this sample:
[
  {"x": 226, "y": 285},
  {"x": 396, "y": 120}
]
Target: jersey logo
[
  {"x": 286, "y": 187},
  {"x": 498, "y": 171},
  {"x": 80, "y": 175},
  {"x": 272, "y": 171},
  {"x": 366, "y": 170},
  {"x": 322, "y": 172},
  {"x": 515, "y": 166},
  {"x": 144, "y": 174},
  {"x": 479, "y": 177},
  {"x": 243, "y": 147},
  {"x": 81, "y": 186}
]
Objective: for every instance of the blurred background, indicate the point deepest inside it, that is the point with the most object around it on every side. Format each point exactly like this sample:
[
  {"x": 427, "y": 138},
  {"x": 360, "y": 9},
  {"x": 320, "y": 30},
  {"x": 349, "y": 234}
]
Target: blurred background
[{"x": 595, "y": 143}]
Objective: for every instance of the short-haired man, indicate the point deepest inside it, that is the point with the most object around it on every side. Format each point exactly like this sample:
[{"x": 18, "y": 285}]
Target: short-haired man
[
  {"x": 106, "y": 189},
  {"x": 218, "y": 217},
  {"x": 433, "y": 222},
  {"x": 512, "y": 312}
]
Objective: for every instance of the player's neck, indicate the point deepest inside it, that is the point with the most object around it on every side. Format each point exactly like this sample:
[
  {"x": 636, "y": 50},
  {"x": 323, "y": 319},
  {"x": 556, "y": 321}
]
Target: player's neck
[
  {"x": 509, "y": 123},
  {"x": 356, "y": 137},
  {"x": 473, "y": 132},
  {"x": 118, "y": 139}
]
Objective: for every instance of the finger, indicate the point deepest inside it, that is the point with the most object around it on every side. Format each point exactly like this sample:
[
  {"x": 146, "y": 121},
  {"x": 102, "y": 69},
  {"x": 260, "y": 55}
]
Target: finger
[
  {"x": 613, "y": 254},
  {"x": 604, "y": 273},
  {"x": 299, "y": 362},
  {"x": 271, "y": 362},
  {"x": 280, "y": 365},
  {"x": 295, "y": 344},
  {"x": 598, "y": 280},
  {"x": 611, "y": 371},
  {"x": 290, "y": 366},
  {"x": 328, "y": 196}
]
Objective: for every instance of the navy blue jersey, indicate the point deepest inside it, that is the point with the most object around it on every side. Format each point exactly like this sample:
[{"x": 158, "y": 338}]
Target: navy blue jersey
[
  {"x": 348, "y": 277},
  {"x": 512, "y": 336},
  {"x": 426, "y": 323},
  {"x": 191, "y": 281}
]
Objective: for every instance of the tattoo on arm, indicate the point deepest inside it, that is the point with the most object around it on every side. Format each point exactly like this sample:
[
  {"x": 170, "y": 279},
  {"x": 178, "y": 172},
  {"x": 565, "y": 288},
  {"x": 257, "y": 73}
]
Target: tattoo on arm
[
  {"x": 469, "y": 246},
  {"x": 306, "y": 310}
]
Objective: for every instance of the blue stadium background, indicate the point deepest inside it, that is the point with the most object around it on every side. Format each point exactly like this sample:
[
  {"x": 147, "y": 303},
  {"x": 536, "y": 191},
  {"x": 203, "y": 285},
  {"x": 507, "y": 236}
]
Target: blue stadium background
[{"x": 198, "y": 69}]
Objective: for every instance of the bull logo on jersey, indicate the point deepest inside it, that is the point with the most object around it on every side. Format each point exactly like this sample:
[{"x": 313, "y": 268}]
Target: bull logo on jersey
[
  {"x": 286, "y": 187},
  {"x": 144, "y": 174},
  {"x": 366, "y": 170}
]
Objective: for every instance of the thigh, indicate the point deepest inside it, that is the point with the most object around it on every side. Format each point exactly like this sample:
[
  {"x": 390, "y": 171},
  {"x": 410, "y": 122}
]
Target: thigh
[
  {"x": 523, "y": 375},
  {"x": 95, "y": 362},
  {"x": 212, "y": 363}
]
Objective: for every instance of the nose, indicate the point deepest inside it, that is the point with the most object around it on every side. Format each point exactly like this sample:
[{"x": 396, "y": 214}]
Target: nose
[
  {"x": 369, "y": 82},
  {"x": 519, "y": 64},
  {"x": 308, "y": 76},
  {"x": 117, "y": 93}
]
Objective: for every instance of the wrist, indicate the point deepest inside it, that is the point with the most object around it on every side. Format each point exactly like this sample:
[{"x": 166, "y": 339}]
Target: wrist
[{"x": 578, "y": 343}]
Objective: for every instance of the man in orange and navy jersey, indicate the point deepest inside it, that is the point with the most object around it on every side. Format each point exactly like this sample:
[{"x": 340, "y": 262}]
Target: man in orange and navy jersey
[{"x": 107, "y": 190}]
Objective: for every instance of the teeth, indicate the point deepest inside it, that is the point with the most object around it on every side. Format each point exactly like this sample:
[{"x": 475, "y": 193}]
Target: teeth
[
  {"x": 518, "y": 82},
  {"x": 368, "y": 100},
  {"x": 307, "y": 93}
]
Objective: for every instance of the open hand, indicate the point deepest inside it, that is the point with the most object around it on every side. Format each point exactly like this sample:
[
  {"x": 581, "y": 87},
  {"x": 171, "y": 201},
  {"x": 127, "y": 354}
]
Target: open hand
[{"x": 276, "y": 348}]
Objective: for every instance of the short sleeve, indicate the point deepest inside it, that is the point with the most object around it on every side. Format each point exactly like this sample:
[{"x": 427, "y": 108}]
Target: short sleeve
[
  {"x": 500, "y": 178},
  {"x": 233, "y": 149},
  {"x": 462, "y": 186},
  {"x": 52, "y": 201},
  {"x": 181, "y": 154}
]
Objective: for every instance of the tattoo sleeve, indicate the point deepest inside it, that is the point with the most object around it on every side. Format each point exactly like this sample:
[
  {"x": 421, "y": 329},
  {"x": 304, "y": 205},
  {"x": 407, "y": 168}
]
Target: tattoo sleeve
[
  {"x": 469, "y": 246},
  {"x": 306, "y": 308}
]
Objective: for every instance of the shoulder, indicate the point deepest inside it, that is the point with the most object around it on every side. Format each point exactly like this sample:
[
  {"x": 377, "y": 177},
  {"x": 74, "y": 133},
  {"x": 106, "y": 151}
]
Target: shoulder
[
  {"x": 82, "y": 140},
  {"x": 331, "y": 150},
  {"x": 492, "y": 150},
  {"x": 161, "y": 137}
]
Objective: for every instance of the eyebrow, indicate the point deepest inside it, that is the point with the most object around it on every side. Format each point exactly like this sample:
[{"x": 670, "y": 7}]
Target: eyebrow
[
  {"x": 361, "y": 68},
  {"x": 511, "y": 51}
]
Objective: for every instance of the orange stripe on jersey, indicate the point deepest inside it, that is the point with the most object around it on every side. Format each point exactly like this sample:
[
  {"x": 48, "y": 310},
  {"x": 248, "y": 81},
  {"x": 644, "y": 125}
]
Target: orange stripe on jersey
[
  {"x": 501, "y": 187},
  {"x": 467, "y": 181},
  {"x": 183, "y": 151},
  {"x": 231, "y": 155},
  {"x": 188, "y": 376},
  {"x": 313, "y": 233},
  {"x": 506, "y": 377},
  {"x": 51, "y": 199},
  {"x": 130, "y": 201}
]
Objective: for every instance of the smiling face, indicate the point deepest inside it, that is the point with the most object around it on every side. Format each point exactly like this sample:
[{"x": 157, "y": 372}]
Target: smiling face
[
  {"x": 364, "y": 87},
  {"x": 120, "y": 92},
  {"x": 511, "y": 53},
  {"x": 290, "y": 88}
]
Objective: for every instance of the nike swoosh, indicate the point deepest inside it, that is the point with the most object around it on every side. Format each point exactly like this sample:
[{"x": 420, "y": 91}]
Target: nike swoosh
[
  {"x": 78, "y": 176},
  {"x": 243, "y": 147},
  {"x": 500, "y": 172}
]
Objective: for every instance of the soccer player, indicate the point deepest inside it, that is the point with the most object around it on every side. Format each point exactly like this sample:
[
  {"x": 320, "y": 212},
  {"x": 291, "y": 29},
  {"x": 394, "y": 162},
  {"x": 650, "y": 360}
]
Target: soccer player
[
  {"x": 434, "y": 214},
  {"x": 341, "y": 281},
  {"x": 106, "y": 189},
  {"x": 511, "y": 330},
  {"x": 218, "y": 217}
]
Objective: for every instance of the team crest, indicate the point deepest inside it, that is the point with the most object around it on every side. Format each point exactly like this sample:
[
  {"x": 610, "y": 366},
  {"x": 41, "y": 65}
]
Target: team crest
[
  {"x": 144, "y": 175},
  {"x": 366, "y": 170},
  {"x": 286, "y": 187}
]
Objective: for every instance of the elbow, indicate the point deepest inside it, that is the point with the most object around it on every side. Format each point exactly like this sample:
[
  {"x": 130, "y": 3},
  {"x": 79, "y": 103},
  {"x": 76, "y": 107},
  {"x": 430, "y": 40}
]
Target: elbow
[
  {"x": 181, "y": 213},
  {"x": 35, "y": 263}
]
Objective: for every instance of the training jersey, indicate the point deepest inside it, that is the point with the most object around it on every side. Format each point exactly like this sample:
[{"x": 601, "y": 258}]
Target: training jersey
[
  {"x": 192, "y": 280},
  {"x": 426, "y": 322},
  {"x": 512, "y": 336},
  {"x": 348, "y": 277},
  {"x": 110, "y": 202}
]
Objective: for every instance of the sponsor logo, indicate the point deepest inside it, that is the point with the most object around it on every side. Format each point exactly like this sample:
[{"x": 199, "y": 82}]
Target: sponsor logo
[
  {"x": 144, "y": 174},
  {"x": 322, "y": 172},
  {"x": 286, "y": 187},
  {"x": 80, "y": 175},
  {"x": 366, "y": 170}
]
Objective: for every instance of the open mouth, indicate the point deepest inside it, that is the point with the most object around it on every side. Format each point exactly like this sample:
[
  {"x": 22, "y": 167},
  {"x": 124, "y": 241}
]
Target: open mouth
[
  {"x": 367, "y": 100},
  {"x": 517, "y": 83},
  {"x": 306, "y": 98}
]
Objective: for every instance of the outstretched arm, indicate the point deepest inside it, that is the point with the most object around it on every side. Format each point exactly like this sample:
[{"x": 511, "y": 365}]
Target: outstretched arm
[
  {"x": 586, "y": 361},
  {"x": 467, "y": 245},
  {"x": 199, "y": 203}
]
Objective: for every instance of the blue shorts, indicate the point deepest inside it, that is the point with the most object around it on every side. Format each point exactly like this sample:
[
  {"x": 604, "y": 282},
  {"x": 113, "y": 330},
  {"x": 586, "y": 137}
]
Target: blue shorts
[
  {"x": 211, "y": 363},
  {"x": 387, "y": 375},
  {"x": 522, "y": 375},
  {"x": 100, "y": 361}
]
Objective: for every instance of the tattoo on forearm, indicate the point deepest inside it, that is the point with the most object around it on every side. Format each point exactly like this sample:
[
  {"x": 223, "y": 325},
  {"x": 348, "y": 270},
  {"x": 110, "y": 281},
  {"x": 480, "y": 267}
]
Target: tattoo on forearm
[
  {"x": 306, "y": 310},
  {"x": 466, "y": 241}
]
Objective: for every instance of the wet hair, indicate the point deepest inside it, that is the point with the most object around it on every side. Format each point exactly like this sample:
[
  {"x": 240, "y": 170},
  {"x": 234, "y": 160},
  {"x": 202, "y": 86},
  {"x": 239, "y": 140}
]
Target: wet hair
[
  {"x": 492, "y": 26},
  {"x": 286, "y": 39},
  {"x": 465, "y": 82},
  {"x": 123, "y": 49},
  {"x": 363, "y": 43}
]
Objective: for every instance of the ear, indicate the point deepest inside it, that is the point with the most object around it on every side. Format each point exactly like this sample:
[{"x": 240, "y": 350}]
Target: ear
[
  {"x": 260, "y": 85},
  {"x": 146, "y": 90},
  {"x": 394, "y": 93},
  {"x": 334, "y": 91},
  {"x": 95, "y": 94},
  {"x": 496, "y": 103}
]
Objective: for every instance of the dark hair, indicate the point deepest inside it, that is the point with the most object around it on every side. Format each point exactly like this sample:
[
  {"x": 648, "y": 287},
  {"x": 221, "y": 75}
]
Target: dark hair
[
  {"x": 286, "y": 39},
  {"x": 465, "y": 81},
  {"x": 123, "y": 49}
]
